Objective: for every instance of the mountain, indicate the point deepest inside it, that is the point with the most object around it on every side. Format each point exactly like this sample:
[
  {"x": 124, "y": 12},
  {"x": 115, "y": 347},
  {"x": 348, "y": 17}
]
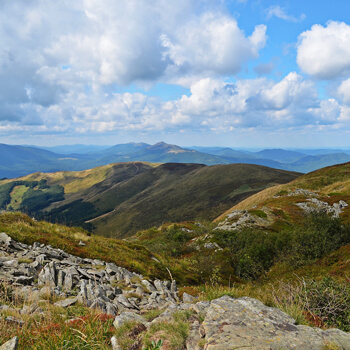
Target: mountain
[
  {"x": 119, "y": 199},
  {"x": 225, "y": 152},
  {"x": 280, "y": 155},
  {"x": 20, "y": 160},
  {"x": 311, "y": 163},
  {"x": 74, "y": 149},
  {"x": 123, "y": 149},
  {"x": 316, "y": 151}
]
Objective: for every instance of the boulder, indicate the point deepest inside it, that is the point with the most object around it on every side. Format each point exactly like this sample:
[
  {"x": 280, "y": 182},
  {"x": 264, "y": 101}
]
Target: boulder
[
  {"x": 248, "y": 323},
  {"x": 128, "y": 317},
  {"x": 66, "y": 302}
]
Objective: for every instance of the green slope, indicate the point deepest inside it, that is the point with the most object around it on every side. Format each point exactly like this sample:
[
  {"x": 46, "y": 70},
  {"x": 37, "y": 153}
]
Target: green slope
[
  {"x": 120, "y": 199},
  {"x": 169, "y": 192}
]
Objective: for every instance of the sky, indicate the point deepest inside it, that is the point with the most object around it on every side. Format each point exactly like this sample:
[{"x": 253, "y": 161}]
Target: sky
[{"x": 235, "y": 73}]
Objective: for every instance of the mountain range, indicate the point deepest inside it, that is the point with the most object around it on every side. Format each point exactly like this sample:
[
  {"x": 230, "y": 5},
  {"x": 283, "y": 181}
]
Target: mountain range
[{"x": 18, "y": 161}]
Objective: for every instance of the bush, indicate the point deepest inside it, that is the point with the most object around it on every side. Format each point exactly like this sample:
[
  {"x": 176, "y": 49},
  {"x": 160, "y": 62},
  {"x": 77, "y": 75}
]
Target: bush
[
  {"x": 329, "y": 300},
  {"x": 252, "y": 252}
]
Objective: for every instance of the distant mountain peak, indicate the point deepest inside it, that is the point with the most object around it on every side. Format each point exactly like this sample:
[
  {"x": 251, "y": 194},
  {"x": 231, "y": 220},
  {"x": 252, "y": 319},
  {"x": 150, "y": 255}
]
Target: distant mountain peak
[{"x": 168, "y": 148}]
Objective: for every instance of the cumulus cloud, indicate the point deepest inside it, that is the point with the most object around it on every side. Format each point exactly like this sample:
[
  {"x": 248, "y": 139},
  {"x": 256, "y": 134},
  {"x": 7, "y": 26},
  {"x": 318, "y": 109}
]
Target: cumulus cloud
[
  {"x": 212, "y": 104},
  {"x": 53, "y": 50},
  {"x": 324, "y": 52},
  {"x": 213, "y": 44},
  {"x": 344, "y": 91},
  {"x": 279, "y": 12},
  {"x": 60, "y": 64}
]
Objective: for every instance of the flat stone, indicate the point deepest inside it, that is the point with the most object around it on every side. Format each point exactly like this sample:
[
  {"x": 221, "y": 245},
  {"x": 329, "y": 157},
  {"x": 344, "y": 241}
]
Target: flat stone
[
  {"x": 247, "y": 323},
  {"x": 66, "y": 302},
  {"x": 127, "y": 317}
]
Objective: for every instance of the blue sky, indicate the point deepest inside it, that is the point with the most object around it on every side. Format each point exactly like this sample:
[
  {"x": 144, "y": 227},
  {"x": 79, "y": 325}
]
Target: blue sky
[{"x": 238, "y": 73}]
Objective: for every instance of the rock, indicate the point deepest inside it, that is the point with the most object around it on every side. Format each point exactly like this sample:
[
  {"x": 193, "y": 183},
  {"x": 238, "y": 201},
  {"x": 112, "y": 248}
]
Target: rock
[
  {"x": 24, "y": 280},
  {"x": 12, "y": 344},
  {"x": 13, "y": 320},
  {"x": 188, "y": 298},
  {"x": 127, "y": 317},
  {"x": 248, "y": 323},
  {"x": 98, "y": 303},
  {"x": 47, "y": 276},
  {"x": 201, "y": 307},
  {"x": 4, "y": 238},
  {"x": 46, "y": 292},
  {"x": 115, "y": 345},
  {"x": 66, "y": 302},
  {"x": 194, "y": 337},
  {"x": 148, "y": 285}
]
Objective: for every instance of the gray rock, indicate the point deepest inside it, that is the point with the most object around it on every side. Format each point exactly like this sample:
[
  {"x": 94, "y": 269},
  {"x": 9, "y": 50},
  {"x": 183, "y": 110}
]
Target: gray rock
[
  {"x": 115, "y": 344},
  {"x": 148, "y": 285},
  {"x": 200, "y": 307},
  {"x": 194, "y": 337},
  {"x": 47, "y": 276},
  {"x": 98, "y": 303},
  {"x": 188, "y": 298},
  {"x": 67, "y": 302},
  {"x": 13, "y": 320},
  {"x": 12, "y": 344},
  {"x": 248, "y": 323},
  {"x": 4, "y": 238},
  {"x": 127, "y": 317}
]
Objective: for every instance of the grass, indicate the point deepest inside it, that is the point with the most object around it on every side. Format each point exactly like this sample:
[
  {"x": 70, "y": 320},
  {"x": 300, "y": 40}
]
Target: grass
[
  {"x": 57, "y": 328},
  {"x": 173, "y": 333},
  {"x": 16, "y": 196}
]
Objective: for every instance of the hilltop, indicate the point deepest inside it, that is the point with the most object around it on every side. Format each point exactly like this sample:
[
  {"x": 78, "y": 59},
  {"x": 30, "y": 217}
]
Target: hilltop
[{"x": 120, "y": 199}]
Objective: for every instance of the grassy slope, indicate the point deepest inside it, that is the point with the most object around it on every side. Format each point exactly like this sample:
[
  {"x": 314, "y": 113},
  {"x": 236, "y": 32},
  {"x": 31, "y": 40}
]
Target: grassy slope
[
  {"x": 331, "y": 183},
  {"x": 120, "y": 199},
  {"x": 177, "y": 192}
]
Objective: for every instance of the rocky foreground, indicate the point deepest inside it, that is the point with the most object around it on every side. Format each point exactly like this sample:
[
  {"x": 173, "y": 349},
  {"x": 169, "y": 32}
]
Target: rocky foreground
[{"x": 225, "y": 323}]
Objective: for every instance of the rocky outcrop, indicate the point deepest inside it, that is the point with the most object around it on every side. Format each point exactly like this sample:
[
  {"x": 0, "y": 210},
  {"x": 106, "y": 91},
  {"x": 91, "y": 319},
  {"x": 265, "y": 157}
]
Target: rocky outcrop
[
  {"x": 221, "y": 324},
  {"x": 316, "y": 205},
  {"x": 247, "y": 323},
  {"x": 238, "y": 219},
  {"x": 94, "y": 283}
]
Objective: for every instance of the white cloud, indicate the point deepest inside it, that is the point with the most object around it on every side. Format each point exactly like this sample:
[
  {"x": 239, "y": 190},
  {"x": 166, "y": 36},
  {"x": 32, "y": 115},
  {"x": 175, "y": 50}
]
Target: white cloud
[
  {"x": 279, "y": 12},
  {"x": 212, "y": 105},
  {"x": 53, "y": 50},
  {"x": 212, "y": 44},
  {"x": 344, "y": 91},
  {"x": 324, "y": 52}
]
